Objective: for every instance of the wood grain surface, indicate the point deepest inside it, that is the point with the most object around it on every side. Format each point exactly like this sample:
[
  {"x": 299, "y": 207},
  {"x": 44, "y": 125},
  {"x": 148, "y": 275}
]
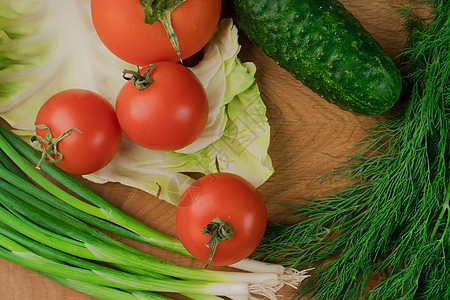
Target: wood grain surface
[{"x": 303, "y": 128}]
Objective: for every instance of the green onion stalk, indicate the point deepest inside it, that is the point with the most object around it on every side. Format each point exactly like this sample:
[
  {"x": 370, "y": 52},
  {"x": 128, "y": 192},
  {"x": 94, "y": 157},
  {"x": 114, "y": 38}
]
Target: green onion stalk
[
  {"x": 52, "y": 217},
  {"x": 68, "y": 235},
  {"x": 64, "y": 233},
  {"x": 102, "y": 292},
  {"x": 105, "y": 215},
  {"x": 85, "y": 272}
]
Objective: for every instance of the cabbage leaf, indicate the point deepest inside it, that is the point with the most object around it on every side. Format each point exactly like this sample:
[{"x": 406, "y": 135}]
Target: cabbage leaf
[
  {"x": 49, "y": 46},
  {"x": 46, "y": 47}
]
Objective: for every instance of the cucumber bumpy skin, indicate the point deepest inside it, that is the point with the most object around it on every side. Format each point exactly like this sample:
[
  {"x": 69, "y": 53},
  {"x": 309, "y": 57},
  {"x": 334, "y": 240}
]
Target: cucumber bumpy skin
[{"x": 322, "y": 44}]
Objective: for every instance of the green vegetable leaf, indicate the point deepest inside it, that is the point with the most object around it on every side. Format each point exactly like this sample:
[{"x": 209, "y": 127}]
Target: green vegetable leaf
[{"x": 44, "y": 50}]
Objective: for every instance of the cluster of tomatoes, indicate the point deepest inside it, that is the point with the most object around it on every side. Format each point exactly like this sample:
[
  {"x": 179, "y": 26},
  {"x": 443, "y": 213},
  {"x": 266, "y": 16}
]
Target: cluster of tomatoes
[{"x": 168, "y": 113}]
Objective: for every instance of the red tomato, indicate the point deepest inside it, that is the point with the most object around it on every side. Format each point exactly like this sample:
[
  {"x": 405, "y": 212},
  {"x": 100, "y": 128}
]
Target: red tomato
[
  {"x": 169, "y": 114},
  {"x": 231, "y": 198},
  {"x": 99, "y": 138},
  {"x": 121, "y": 27}
]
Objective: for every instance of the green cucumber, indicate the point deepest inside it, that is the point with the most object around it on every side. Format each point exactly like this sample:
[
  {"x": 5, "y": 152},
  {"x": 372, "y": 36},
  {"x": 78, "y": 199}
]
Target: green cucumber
[{"x": 322, "y": 44}]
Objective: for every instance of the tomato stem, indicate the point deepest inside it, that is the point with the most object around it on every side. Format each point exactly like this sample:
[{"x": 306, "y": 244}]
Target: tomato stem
[
  {"x": 51, "y": 150},
  {"x": 219, "y": 230},
  {"x": 167, "y": 23},
  {"x": 140, "y": 81},
  {"x": 161, "y": 10}
]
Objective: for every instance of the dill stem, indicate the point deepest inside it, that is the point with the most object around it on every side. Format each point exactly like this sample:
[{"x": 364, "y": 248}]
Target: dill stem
[
  {"x": 349, "y": 222},
  {"x": 445, "y": 207}
]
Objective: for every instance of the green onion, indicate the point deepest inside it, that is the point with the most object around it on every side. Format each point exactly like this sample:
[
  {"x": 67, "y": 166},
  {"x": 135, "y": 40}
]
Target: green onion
[
  {"x": 37, "y": 198},
  {"x": 120, "y": 280},
  {"x": 10, "y": 166},
  {"x": 53, "y": 217},
  {"x": 17, "y": 179},
  {"x": 102, "y": 292},
  {"x": 57, "y": 220},
  {"x": 56, "y": 255},
  {"x": 74, "y": 240},
  {"x": 119, "y": 222},
  {"x": 16, "y": 253},
  {"x": 101, "y": 208}
]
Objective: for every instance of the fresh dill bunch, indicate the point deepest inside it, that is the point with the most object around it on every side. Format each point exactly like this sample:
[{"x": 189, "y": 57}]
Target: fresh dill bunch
[{"x": 393, "y": 216}]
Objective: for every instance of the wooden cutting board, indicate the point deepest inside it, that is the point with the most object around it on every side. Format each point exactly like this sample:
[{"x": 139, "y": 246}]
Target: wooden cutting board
[{"x": 303, "y": 128}]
